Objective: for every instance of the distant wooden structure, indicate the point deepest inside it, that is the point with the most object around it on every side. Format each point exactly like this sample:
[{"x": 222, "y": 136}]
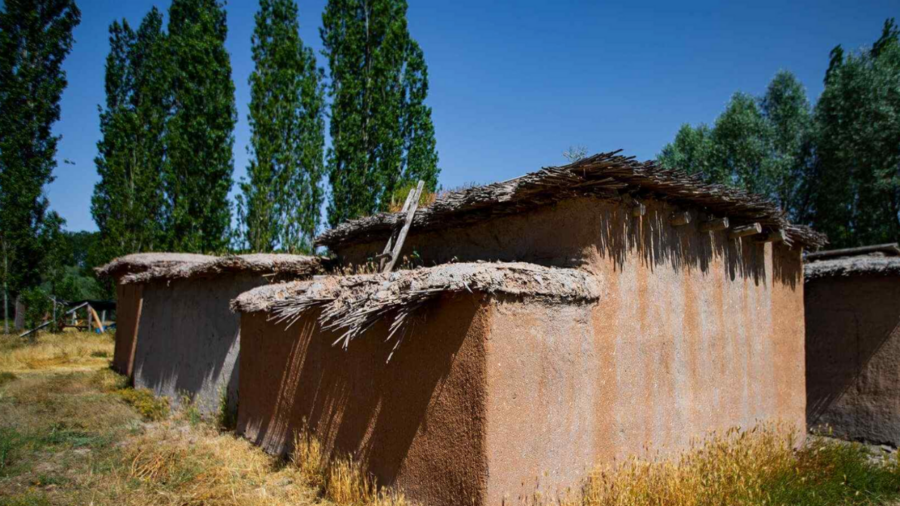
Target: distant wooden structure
[{"x": 95, "y": 313}]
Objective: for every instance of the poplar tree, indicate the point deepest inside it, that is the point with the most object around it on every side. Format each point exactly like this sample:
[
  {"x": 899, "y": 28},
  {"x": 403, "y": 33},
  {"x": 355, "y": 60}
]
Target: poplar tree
[
  {"x": 128, "y": 199},
  {"x": 199, "y": 135},
  {"x": 279, "y": 207},
  {"x": 381, "y": 130},
  {"x": 35, "y": 38}
]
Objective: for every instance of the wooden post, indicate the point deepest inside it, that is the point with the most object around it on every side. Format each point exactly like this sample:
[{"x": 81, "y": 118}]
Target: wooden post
[
  {"x": 746, "y": 230},
  {"x": 714, "y": 225},
  {"x": 680, "y": 219},
  {"x": 385, "y": 255},
  {"x": 410, "y": 213},
  {"x": 88, "y": 319}
]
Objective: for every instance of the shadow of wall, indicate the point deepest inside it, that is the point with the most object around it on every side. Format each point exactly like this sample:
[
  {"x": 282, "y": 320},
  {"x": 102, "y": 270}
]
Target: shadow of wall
[
  {"x": 852, "y": 352},
  {"x": 575, "y": 232},
  {"x": 189, "y": 340},
  {"x": 416, "y": 422}
]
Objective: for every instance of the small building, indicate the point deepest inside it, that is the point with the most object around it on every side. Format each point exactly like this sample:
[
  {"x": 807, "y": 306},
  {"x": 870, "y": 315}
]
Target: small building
[
  {"x": 547, "y": 324},
  {"x": 129, "y": 298},
  {"x": 853, "y": 342},
  {"x": 186, "y": 340}
]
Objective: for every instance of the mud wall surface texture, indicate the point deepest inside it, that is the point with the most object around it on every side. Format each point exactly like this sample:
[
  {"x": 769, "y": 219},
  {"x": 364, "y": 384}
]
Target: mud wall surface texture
[
  {"x": 493, "y": 398},
  {"x": 416, "y": 422},
  {"x": 852, "y": 354},
  {"x": 129, "y": 299},
  {"x": 188, "y": 339}
]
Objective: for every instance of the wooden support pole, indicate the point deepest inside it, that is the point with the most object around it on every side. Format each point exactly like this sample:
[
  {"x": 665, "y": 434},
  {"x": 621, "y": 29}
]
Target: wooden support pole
[
  {"x": 680, "y": 219},
  {"x": 714, "y": 225},
  {"x": 638, "y": 210},
  {"x": 746, "y": 230},
  {"x": 410, "y": 213},
  {"x": 778, "y": 235}
]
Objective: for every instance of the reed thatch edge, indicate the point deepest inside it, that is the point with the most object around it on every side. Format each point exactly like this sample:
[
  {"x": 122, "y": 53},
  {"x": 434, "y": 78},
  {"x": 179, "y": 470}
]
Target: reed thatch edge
[
  {"x": 352, "y": 304},
  {"x": 607, "y": 175},
  {"x": 141, "y": 262},
  {"x": 300, "y": 266}
]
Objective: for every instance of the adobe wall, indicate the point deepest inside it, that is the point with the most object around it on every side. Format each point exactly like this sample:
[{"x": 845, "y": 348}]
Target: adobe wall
[
  {"x": 416, "y": 422},
  {"x": 852, "y": 355},
  {"x": 696, "y": 332},
  {"x": 670, "y": 353},
  {"x": 189, "y": 340},
  {"x": 129, "y": 299}
]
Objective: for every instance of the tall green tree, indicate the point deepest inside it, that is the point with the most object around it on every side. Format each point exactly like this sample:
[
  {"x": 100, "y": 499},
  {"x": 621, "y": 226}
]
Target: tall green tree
[
  {"x": 280, "y": 202},
  {"x": 381, "y": 130},
  {"x": 856, "y": 169},
  {"x": 35, "y": 38},
  {"x": 128, "y": 200},
  {"x": 758, "y": 144},
  {"x": 199, "y": 133}
]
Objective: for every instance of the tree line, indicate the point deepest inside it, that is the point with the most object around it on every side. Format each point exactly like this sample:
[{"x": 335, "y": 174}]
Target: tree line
[
  {"x": 834, "y": 166},
  {"x": 165, "y": 157}
]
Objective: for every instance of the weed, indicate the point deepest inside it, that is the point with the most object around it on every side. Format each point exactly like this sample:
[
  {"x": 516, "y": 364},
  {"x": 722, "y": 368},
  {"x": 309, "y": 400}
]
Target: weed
[
  {"x": 147, "y": 404},
  {"x": 226, "y": 415},
  {"x": 6, "y": 377}
]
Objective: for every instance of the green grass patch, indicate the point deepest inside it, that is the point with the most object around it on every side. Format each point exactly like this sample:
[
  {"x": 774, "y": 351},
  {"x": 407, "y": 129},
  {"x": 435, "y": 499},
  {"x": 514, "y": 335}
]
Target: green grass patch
[
  {"x": 7, "y": 377},
  {"x": 148, "y": 405}
]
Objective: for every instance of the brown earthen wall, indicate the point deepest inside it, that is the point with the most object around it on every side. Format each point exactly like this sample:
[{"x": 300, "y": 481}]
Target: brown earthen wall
[
  {"x": 416, "y": 422},
  {"x": 129, "y": 299},
  {"x": 695, "y": 332},
  {"x": 852, "y": 356},
  {"x": 188, "y": 340}
]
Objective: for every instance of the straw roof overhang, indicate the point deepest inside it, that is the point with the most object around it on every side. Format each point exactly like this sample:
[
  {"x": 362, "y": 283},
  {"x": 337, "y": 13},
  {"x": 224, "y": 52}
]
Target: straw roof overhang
[
  {"x": 264, "y": 264},
  {"x": 852, "y": 266},
  {"x": 605, "y": 175},
  {"x": 352, "y": 304},
  {"x": 141, "y": 262}
]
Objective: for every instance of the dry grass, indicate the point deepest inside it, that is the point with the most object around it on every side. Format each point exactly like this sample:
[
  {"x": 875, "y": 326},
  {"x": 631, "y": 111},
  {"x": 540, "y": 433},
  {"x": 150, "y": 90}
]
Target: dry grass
[
  {"x": 65, "y": 351},
  {"x": 756, "y": 467},
  {"x": 70, "y": 436}
]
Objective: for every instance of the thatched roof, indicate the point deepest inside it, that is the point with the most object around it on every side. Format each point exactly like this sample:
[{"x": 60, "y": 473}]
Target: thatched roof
[
  {"x": 606, "y": 175},
  {"x": 293, "y": 265},
  {"x": 141, "y": 262},
  {"x": 851, "y": 266},
  {"x": 352, "y": 304},
  {"x": 879, "y": 260}
]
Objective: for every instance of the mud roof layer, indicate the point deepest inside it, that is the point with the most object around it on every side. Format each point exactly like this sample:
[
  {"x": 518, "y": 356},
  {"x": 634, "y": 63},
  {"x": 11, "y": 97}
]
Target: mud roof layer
[
  {"x": 352, "y": 304},
  {"x": 850, "y": 266},
  {"x": 607, "y": 175},
  {"x": 260, "y": 263},
  {"x": 141, "y": 262}
]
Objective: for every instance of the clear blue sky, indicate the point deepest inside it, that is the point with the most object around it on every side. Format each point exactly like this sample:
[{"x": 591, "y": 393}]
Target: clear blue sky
[{"x": 514, "y": 83}]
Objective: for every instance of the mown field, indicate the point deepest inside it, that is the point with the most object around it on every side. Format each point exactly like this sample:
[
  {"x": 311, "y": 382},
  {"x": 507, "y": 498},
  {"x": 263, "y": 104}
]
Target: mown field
[{"x": 73, "y": 433}]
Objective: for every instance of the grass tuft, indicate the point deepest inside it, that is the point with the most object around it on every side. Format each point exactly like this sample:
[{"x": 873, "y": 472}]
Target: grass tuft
[
  {"x": 148, "y": 405},
  {"x": 6, "y": 377},
  {"x": 759, "y": 466}
]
